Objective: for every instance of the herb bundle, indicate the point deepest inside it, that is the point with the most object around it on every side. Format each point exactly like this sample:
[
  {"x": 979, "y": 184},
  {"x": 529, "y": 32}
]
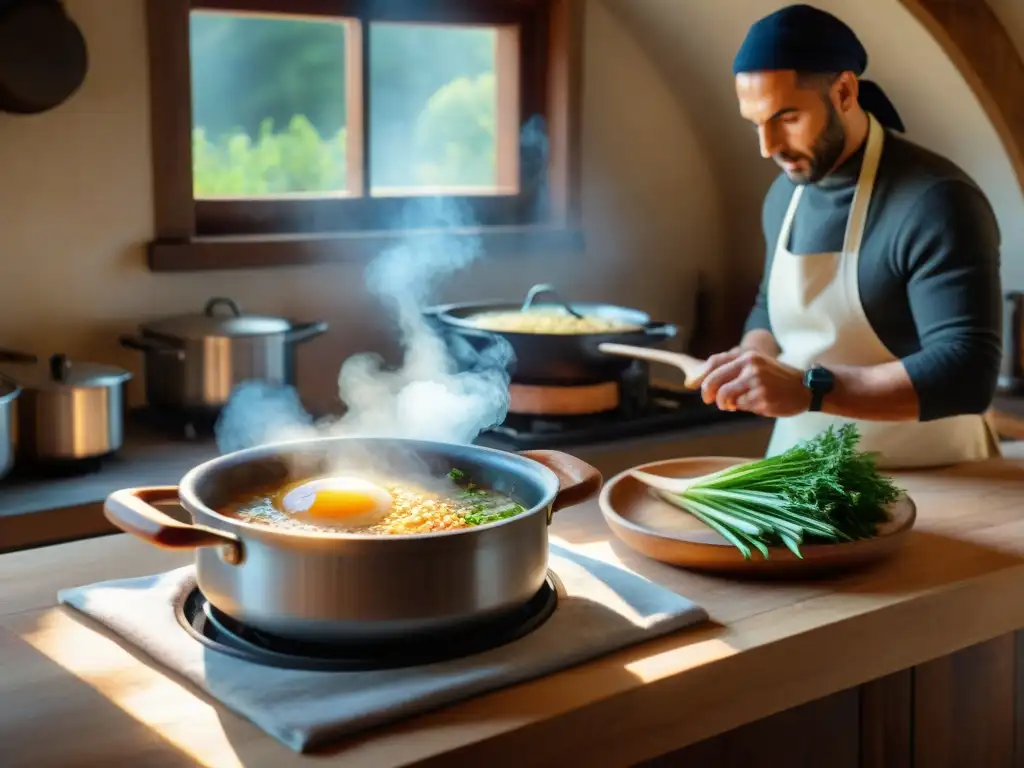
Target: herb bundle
[{"x": 823, "y": 490}]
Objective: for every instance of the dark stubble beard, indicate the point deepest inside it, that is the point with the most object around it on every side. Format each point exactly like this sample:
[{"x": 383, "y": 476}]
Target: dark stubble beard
[{"x": 828, "y": 148}]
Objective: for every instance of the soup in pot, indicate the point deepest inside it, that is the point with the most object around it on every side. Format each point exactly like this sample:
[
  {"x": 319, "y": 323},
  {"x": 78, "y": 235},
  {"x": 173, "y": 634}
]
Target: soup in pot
[
  {"x": 548, "y": 320},
  {"x": 353, "y": 504}
]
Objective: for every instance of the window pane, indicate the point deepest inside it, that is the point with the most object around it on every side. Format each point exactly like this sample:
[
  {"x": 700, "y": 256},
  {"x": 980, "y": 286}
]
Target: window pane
[
  {"x": 268, "y": 105},
  {"x": 440, "y": 112}
]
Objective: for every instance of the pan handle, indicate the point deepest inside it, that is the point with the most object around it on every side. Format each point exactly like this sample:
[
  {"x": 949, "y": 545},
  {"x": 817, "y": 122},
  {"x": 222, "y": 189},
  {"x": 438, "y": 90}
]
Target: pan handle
[
  {"x": 151, "y": 345},
  {"x": 537, "y": 290},
  {"x": 577, "y": 480},
  {"x": 665, "y": 330},
  {"x": 18, "y": 358},
  {"x": 132, "y": 511},
  {"x": 690, "y": 366}
]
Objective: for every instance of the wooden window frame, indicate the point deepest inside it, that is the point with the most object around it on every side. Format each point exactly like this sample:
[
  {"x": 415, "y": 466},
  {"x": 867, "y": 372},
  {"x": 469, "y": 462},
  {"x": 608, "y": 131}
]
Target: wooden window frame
[{"x": 194, "y": 235}]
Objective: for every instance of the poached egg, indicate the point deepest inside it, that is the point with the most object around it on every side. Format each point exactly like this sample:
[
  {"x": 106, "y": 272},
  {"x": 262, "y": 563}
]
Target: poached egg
[{"x": 345, "y": 502}]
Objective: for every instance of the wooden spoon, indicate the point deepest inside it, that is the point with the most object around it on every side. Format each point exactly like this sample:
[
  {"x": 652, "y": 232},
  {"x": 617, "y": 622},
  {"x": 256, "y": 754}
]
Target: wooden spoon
[{"x": 690, "y": 366}]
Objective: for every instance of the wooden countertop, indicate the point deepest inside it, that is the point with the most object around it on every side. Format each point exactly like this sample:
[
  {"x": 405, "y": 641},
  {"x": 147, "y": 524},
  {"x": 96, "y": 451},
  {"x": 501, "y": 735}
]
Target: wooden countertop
[{"x": 79, "y": 697}]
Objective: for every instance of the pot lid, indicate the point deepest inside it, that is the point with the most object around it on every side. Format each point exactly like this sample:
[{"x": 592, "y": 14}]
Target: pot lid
[
  {"x": 220, "y": 317},
  {"x": 61, "y": 371}
]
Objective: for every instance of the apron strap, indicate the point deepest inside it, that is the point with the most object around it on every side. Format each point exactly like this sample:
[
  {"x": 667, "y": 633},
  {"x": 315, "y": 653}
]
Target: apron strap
[{"x": 856, "y": 223}]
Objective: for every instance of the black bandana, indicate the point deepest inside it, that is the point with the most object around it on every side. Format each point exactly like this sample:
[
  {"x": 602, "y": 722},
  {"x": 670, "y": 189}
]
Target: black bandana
[{"x": 805, "y": 39}]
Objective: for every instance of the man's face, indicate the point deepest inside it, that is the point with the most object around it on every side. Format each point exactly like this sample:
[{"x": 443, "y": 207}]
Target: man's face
[{"x": 797, "y": 122}]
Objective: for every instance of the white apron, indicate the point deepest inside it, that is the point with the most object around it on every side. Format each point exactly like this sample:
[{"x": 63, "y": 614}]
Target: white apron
[{"x": 817, "y": 318}]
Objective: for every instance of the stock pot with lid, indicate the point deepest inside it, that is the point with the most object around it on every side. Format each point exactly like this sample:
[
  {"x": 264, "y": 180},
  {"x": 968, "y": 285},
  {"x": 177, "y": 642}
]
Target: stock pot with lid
[
  {"x": 193, "y": 362},
  {"x": 70, "y": 410},
  {"x": 10, "y": 391}
]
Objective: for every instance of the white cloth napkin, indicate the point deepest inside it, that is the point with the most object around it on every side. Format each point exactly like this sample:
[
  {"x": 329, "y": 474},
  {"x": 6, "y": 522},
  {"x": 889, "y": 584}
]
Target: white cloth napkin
[{"x": 604, "y": 608}]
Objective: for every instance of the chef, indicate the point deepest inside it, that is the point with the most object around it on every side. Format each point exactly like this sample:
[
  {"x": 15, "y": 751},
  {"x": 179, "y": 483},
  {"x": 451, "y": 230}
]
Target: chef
[{"x": 880, "y": 301}]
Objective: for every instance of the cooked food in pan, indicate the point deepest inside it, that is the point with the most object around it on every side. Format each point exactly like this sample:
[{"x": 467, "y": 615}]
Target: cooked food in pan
[{"x": 553, "y": 320}]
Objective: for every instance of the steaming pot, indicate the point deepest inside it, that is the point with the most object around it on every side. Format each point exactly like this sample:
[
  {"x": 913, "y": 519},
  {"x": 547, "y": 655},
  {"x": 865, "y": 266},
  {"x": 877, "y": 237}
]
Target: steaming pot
[
  {"x": 341, "y": 586},
  {"x": 553, "y": 358},
  {"x": 194, "y": 362}
]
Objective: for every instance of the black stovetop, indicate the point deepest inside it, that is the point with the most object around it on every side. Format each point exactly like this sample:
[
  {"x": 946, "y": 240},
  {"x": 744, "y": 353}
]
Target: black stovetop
[
  {"x": 663, "y": 410},
  {"x": 644, "y": 409},
  {"x": 226, "y": 635}
]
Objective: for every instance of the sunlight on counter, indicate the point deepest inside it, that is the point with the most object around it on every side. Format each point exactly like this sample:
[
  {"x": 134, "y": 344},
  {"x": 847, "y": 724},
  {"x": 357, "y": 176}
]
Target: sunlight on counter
[{"x": 143, "y": 693}]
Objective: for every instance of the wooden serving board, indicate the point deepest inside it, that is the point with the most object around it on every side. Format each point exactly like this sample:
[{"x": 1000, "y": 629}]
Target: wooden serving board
[{"x": 664, "y": 532}]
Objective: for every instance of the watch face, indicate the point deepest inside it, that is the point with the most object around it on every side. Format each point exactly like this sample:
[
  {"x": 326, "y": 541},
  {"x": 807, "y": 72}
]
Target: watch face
[{"x": 818, "y": 379}]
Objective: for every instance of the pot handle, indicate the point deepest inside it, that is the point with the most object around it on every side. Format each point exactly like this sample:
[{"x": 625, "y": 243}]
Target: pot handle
[
  {"x": 132, "y": 511},
  {"x": 690, "y": 366},
  {"x": 150, "y": 345},
  {"x": 537, "y": 290},
  {"x": 19, "y": 358},
  {"x": 306, "y": 331},
  {"x": 665, "y": 330},
  {"x": 577, "y": 480}
]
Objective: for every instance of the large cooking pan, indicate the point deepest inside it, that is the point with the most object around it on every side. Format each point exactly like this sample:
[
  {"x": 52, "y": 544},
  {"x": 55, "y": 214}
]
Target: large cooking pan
[
  {"x": 557, "y": 358},
  {"x": 335, "y": 586}
]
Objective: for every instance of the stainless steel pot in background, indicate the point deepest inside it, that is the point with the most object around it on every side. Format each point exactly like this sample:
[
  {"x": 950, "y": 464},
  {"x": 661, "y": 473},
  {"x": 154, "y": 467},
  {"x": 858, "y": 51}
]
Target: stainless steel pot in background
[
  {"x": 9, "y": 394},
  {"x": 194, "y": 362},
  {"x": 342, "y": 586},
  {"x": 70, "y": 410},
  {"x": 1011, "y": 375}
]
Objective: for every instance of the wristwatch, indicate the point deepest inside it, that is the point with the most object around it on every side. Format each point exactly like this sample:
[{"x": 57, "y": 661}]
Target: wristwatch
[{"x": 820, "y": 381}]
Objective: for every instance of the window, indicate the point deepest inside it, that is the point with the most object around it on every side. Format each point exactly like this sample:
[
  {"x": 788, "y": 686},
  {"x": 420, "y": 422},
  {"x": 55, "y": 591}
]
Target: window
[{"x": 296, "y": 131}]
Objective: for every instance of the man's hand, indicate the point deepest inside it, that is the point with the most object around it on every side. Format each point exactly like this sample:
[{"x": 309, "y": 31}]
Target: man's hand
[{"x": 747, "y": 380}]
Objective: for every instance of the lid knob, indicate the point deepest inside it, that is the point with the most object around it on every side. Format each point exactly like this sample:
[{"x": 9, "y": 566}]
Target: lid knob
[
  {"x": 59, "y": 367},
  {"x": 217, "y": 301}
]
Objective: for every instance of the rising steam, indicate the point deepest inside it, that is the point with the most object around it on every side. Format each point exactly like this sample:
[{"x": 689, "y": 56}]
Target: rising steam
[{"x": 440, "y": 392}]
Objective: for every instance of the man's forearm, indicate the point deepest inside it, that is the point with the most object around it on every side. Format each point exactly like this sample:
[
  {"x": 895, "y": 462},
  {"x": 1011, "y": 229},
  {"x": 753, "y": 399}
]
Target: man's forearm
[
  {"x": 761, "y": 341},
  {"x": 877, "y": 392}
]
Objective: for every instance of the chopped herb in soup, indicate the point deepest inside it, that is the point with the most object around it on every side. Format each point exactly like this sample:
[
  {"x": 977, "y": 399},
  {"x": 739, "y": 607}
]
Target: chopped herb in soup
[{"x": 340, "y": 504}]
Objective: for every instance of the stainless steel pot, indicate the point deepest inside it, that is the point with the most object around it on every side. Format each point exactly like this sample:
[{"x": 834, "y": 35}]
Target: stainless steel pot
[
  {"x": 1011, "y": 375},
  {"x": 9, "y": 392},
  {"x": 327, "y": 586},
  {"x": 194, "y": 362},
  {"x": 71, "y": 411}
]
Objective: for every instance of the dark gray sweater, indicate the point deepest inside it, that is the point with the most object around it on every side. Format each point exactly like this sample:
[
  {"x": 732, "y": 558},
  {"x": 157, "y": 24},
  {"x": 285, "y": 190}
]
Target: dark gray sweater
[{"x": 928, "y": 271}]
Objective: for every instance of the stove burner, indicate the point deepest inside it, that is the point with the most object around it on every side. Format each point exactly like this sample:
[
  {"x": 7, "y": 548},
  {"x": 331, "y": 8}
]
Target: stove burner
[
  {"x": 223, "y": 634},
  {"x": 653, "y": 410}
]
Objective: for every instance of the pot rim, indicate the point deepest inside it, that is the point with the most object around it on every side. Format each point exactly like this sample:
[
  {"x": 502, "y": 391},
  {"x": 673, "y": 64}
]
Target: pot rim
[
  {"x": 444, "y": 313},
  {"x": 190, "y": 499}
]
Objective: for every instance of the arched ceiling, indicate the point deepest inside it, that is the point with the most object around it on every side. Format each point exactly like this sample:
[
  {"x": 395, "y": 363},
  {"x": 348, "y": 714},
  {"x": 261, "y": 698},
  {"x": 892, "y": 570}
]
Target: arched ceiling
[{"x": 975, "y": 40}]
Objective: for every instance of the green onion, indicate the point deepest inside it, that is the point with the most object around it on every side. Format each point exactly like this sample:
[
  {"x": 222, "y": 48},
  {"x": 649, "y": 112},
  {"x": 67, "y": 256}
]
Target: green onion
[{"x": 822, "y": 490}]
